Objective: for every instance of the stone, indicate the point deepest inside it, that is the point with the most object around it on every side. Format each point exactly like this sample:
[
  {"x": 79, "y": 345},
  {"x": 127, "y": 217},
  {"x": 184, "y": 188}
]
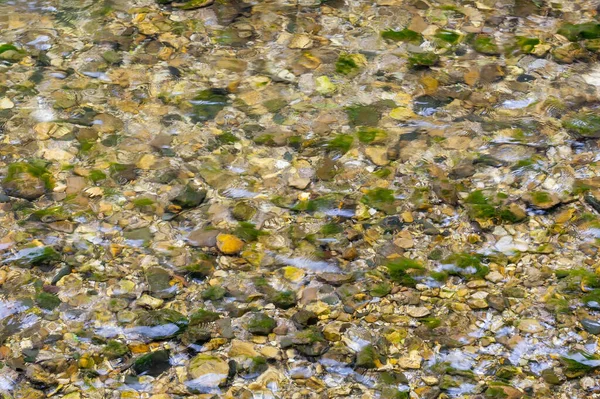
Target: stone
[
  {"x": 242, "y": 348},
  {"x": 412, "y": 361},
  {"x": 530, "y": 326},
  {"x": 417, "y": 311},
  {"x": 300, "y": 41},
  {"x": 229, "y": 244},
  {"x": 6, "y": 103},
  {"x": 377, "y": 155},
  {"x": 207, "y": 372},
  {"x": 203, "y": 238},
  {"x": 261, "y": 324}
]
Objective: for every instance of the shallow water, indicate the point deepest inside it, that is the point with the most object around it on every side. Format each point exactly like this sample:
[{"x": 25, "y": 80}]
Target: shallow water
[{"x": 290, "y": 199}]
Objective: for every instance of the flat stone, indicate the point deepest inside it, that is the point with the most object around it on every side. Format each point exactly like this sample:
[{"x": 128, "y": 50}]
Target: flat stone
[
  {"x": 203, "y": 238},
  {"x": 417, "y": 311},
  {"x": 530, "y": 326},
  {"x": 207, "y": 372}
]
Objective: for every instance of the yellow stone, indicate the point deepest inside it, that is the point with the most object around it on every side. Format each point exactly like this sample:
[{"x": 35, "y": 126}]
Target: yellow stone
[
  {"x": 293, "y": 274},
  {"x": 401, "y": 113},
  {"x": 229, "y": 244},
  {"x": 146, "y": 161},
  {"x": 6, "y": 103}
]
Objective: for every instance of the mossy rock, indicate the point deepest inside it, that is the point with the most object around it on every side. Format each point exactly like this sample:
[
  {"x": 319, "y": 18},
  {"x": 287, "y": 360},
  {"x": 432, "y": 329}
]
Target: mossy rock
[
  {"x": 11, "y": 53},
  {"x": 463, "y": 264},
  {"x": 190, "y": 197},
  {"x": 208, "y": 103},
  {"x": 115, "y": 349},
  {"x": 340, "y": 143},
  {"x": 350, "y": 64},
  {"x": 214, "y": 293},
  {"x": 163, "y": 323},
  {"x": 159, "y": 282},
  {"x": 576, "y": 32},
  {"x": 423, "y": 59},
  {"x": 448, "y": 36},
  {"x": 381, "y": 199},
  {"x": 153, "y": 363},
  {"x": 372, "y": 135},
  {"x": 248, "y": 232},
  {"x": 367, "y": 357},
  {"x": 192, "y": 4},
  {"x": 47, "y": 301},
  {"x": 243, "y": 211},
  {"x": 35, "y": 256},
  {"x": 404, "y": 35},
  {"x": 584, "y": 124},
  {"x": 570, "y": 53},
  {"x": 405, "y": 271},
  {"x": 261, "y": 324},
  {"x": 28, "y": 180},
  {"x": 283, "y": 299},
  {"x": 485, "y": 44},
  {"x": 203, "y": 316}
]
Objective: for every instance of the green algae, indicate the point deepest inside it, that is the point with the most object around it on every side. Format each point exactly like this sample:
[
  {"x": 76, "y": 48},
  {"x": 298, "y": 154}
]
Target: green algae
[
  {"x": 404, "y": 271},
  {"x": 575, "y": 32},
  {"x": 404, "y": 35}
]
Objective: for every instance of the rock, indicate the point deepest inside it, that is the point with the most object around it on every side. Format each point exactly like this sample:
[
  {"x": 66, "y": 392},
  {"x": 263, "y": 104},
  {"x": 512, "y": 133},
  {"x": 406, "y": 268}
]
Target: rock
[
  {"x": 496, "y": 390},
  {"x": 6, "y": 103},
  {"x": 160, "y": 324},
  {"x": 203, "y": 238},
  {"x": 324, "y": 86},
  {"x": 26, "y": 181},
  {"x": 190, "y": 197},
  {"x": 243, "y": 211},
  {"x": 367, "y": 358},
  {"x": 335, "y": 279},
  {"x": 229, "y": 244},
  {"x": 541, "y": 199},
  {"x": 417, "y": 311},
  {"x": 159, "y": 282},
  {"x": 298, "y": 182},
  {"x": 530, "y": 326},
  {"x": 377, "y": 155},
  {"x": 412, "y": 361},
  {"x": 477, "y": 303},
  {"x": 261, "y": 324},
  {"x": 243, "y": 349},
  {"x": 591, "y": 326},
  {"x": 300, "y": 41},
  {"x": 304, "y": 318},
  {"x": 207, "y": 372},
  {"x": 153, "y": 363},
  {"x": 497, "y": 302}
]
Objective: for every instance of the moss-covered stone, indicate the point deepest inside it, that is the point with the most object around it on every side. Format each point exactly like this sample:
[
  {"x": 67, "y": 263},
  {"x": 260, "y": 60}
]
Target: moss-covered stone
[
  {"x": 485, "y": 44},
  {"x": 350, "y": 64},
  {"x": 261, "y": 324},
  {"x": 115, "y": 349},
  {"x": 404, "y": 35},
  {"x": 167, "y": 323},
  {"x": 575, "y": 32},
  {"x": 367, "y": 357},
  {"x": 190, "y": 197},
  {"x": 47, "y": 301},
  {"x": 28, "y": 180},
  {"x": 153, "y": 363},
  {"x": 584, "y": 124},
  {"x": 208, "y": 103}
]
